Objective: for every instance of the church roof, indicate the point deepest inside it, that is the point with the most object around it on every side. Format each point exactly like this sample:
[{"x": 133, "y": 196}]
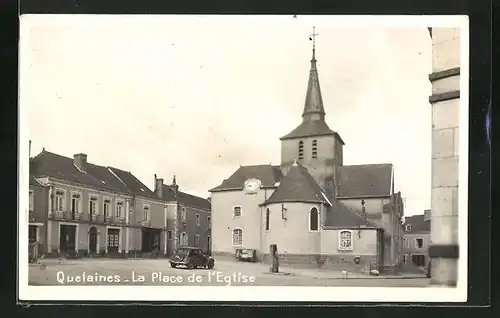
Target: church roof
[
  {"x": 372, "y": 180},
  {"x": 48, "y": 164},
  {"x": 312, "y": 128},
  {"x": 340, "y": 215},
  {"x": 267, "y": 174},
  {"x": 298, "y": 186}
]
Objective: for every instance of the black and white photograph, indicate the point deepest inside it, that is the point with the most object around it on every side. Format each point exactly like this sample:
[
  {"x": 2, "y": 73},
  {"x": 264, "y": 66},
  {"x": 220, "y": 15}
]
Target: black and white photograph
[{"x": 228, "y": 158}]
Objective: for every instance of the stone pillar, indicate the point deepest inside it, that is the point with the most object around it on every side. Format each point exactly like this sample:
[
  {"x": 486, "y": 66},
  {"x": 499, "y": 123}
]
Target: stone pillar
[
  {"x": 445, "y": 101},
  {"x": 127, "y": 239}
]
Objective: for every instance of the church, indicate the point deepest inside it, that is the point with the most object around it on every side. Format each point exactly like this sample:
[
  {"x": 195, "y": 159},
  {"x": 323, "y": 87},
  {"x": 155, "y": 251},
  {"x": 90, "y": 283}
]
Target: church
[{"x": 316, "y": 210}]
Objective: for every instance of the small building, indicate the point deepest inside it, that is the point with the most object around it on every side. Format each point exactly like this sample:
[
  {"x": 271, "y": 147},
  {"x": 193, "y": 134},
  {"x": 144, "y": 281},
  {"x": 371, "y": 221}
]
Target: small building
[
  {"x": 188, "y": 217},
  {"x": 416, "y": 239},
  {"x": 37, "y": 218}
]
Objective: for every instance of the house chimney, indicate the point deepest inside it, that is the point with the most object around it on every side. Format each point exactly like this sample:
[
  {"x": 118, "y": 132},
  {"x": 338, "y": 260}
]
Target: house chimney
[
  {"x": 159, "y": 187},
  {"x": 427, "y": 215},
  {"x": 80, "y": 161},
  {"x": 174, "y": 185},
  {"x": 29, "y": 150}
]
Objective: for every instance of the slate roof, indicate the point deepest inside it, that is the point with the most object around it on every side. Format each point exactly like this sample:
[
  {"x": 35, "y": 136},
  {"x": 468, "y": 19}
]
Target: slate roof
[
  {"x": 169, "y": 194},
  {"x": 298, "y": 186},
  {"x": 373, "y": 180},
  {"x": 340, "y": 215},
  {"x": 418, "y": 224},
  {"x": 53, "y": 165},
  {"x": 268, "y": 175},
  {"x": 311, "y": 128},
  {"x": 134, "y": 185}
]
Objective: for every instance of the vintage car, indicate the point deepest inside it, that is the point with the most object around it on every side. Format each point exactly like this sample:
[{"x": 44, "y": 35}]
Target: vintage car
[{"x": 191, "y": 257}]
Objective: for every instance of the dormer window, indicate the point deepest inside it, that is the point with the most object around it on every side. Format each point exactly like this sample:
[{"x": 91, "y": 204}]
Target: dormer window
[
  {"x": 408, "y": 227},
  {"x": 301, "y": 149},
  {"x": 314, "y": 149}
]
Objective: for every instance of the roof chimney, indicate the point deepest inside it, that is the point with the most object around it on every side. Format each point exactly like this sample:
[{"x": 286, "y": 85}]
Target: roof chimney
[
  {"x": 174, "y": 185},
  {"x": 159, "y": 187},
  {"x": 427, "y": 215},
  {"x": 29, "y": 150},
  {"x": 80, "y": 161}
]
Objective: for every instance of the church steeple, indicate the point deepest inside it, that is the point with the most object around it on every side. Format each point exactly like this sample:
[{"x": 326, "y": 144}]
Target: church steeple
[{"x": 313, "y": 106}]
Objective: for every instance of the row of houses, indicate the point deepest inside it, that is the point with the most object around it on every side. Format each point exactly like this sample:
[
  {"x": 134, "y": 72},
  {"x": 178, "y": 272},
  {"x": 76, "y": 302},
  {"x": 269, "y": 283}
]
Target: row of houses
[{"x": 77, "y": 209}]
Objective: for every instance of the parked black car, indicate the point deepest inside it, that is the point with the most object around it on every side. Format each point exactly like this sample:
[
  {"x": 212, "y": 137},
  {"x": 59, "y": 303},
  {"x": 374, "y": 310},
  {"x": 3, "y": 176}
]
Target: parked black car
[{"x": 191, "y": 257}]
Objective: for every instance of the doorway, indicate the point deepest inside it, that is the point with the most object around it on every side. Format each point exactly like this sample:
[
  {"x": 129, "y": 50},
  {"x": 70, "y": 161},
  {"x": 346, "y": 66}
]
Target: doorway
[
  {"x": 93, "y": 240},
  {"x": 32, "y": 233},
  {"x": 150, "y": 240},
  {"x": 113, "y": 241},
  {"x": 209, "y": 246},
  {"x": 67, "y": 239}
]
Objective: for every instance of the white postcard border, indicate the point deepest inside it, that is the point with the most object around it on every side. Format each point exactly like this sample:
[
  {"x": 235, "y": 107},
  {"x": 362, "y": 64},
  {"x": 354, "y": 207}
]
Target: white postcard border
[{"x": 257, "y": 293}]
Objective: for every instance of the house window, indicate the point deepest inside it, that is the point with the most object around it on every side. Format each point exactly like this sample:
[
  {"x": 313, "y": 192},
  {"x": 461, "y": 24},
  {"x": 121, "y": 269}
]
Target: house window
[
  {"x": 267, "y": 219},
  {"x": 301, "y": 149},
  {"x": 408, "y": 227},
  {"x": 420, "y": 242},
  {"x": 345, "y": 240},
  {"x": 197, "y": 239},
  {"x": 119, "y": 210},
  {"x": 105, "y": 207},
  {"x": 31, "y": 204},
  {"x": 237, "y": 211},
  {"x": 93, "y": 206},
  {"x": 314, "y": 149},
  {"x": 75, "y": 203},
  {"x": 313, "y": 219},
  {"x": 197, "y": 220},
  {"x": 183, "y": 214},
  {"x": 184, "y": 239},
  {"x": 146, "y": 213},
  {"x": 209, "y": 221},
  {"x": 59, "y": 200},
  {"x": 237, "y": 237},
  {"x": 169, "y": 235}
]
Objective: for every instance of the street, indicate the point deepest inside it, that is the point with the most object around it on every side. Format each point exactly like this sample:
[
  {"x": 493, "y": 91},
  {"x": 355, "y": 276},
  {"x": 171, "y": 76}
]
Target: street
[{"x": 225, "y": 273}]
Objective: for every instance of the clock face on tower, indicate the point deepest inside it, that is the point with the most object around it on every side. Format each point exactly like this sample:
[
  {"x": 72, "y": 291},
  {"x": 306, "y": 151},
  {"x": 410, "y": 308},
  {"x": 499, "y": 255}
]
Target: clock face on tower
[{"x": 252, "y": 186}]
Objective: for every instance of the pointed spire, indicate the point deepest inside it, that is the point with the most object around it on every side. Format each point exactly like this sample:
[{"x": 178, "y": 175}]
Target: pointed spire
[{"x": 313, "y": 107}]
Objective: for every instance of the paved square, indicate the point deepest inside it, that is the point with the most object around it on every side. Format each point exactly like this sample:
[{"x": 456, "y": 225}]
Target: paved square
[{"x": 159, "y": 272}]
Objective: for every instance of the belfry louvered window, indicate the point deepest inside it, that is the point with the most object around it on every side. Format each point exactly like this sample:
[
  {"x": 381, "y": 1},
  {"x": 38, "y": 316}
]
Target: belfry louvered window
[
  {"x": 301, "y": 149},
  {"x": 314, "y": 149}
]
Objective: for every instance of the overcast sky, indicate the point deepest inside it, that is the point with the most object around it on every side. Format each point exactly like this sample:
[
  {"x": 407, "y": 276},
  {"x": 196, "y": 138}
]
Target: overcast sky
[{"x": 199, "y": 96}]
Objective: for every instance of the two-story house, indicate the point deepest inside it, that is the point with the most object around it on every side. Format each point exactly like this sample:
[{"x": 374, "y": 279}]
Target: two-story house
[
  {"x": 417, "y": 231},
  {"x": 188, "y": 217}
]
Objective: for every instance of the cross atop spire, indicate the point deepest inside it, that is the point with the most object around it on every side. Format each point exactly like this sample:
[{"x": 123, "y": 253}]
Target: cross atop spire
[
  {"x": 313, "y": 108},
  {"x": 312, "y": 37}
]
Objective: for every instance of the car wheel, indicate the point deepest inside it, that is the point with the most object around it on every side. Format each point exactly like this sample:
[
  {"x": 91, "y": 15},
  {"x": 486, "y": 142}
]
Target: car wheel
[
  {"x": 190, "y": 265},
  {"x": 211, "y": 264},
  {"x": 173, "y": 265}
]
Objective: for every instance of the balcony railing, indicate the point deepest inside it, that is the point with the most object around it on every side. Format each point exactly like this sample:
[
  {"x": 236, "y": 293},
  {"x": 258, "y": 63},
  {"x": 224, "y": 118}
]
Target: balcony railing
[
  {"x": 92, "y": 218},
  {"x": 145, "y": 223}
]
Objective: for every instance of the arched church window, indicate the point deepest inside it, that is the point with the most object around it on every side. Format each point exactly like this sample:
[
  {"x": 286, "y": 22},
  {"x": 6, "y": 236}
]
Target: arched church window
[
  {"x": 267, "y": 219},
  {"x": 313, "y": 219},
  {"x": 301, "y": 149},
  {"x": 314, "y": 149}
]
